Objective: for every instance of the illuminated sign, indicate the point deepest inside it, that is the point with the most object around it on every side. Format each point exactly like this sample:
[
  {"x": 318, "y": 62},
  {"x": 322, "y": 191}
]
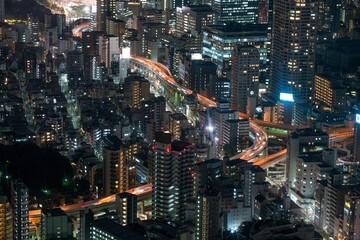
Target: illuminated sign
[
  {"x": 289, "y": 97},
  {"x": 357, "y": 118}
]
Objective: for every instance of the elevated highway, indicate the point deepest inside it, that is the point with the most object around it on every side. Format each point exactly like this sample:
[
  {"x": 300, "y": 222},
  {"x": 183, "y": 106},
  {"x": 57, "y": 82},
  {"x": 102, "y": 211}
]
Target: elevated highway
[
  {"x": 143, "y": 192},
  {"x": 165, "y": 79}
]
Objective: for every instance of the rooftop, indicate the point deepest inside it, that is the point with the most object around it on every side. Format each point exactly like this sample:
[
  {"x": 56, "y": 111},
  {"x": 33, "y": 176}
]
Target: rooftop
[{"x": 116, "y": 230}]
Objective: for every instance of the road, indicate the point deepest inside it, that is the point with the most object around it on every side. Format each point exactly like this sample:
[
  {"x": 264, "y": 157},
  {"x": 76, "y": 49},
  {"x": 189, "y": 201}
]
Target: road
[
  {"x": 139, "y": 191},
  {"x": 77, "y": 31},
  {"x": 260, "y": 141}
]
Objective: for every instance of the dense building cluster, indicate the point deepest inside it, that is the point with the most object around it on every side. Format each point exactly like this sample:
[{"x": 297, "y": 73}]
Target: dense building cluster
[{"x": 192, "y": 120}]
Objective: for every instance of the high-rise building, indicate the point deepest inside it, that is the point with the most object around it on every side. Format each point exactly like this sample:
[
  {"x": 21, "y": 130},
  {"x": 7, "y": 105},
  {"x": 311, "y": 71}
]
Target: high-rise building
[
  {"x": 104, "y": 9},
  {"x": 357, "y": 138},
  {"x": 153, "y": 114},
  {"x": 136, "y": 89},
  {"x": 206, "y": 172},
  {"x": 236, "y": 134},
  {"x": 57, "y": 21},
  {"x": 303, "y": 142},
  {"x": 328, "y": 93},
  {"x": 293, "y": 49},
  {"x": 208, "y": 218},
  {"x": 107, "y": 229},
  {"x": 172, "y": 179},
  {"x": 85, "y": 224},
  {"x": 200, "y": 73},
  {"x": 190, "y": 19},
  {"x": 334, "y": 196},
  {"x": 6, "y": 219},
  {"x": 75, "y": 67},
  {"x": 2, "y": 10},
  {"x": 244, "y": 77},
  {"x": 177, "y": 122},
  {"x": 55, "y": 224},
  {"x": 220, "y": 40},
  {"x": 20, "y": 205},
  {"x": 351, "y": 224},
  {"x": 263, "y": 12},
  {"x": 117, "y": 156},
  {"x": 328, "y": 13},
  {"x": 108, "y": 50},
  {"x": 235, "y": 10},
  {"x": 126, "y": 208}
]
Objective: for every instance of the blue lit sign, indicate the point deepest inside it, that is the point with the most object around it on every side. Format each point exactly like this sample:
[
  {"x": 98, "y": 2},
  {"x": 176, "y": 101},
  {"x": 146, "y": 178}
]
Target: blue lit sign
[
  {"x": 357, "y": 119},
  {"x": 289, "y": 97}
]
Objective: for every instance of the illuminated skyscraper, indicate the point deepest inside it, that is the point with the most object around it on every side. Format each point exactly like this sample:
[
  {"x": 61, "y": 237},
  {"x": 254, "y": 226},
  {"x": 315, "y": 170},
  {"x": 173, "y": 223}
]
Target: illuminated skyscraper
[
  {"x": 172, "y": 177},
  {"x": 20, "y": 204},
  {"x": 293, "y": 49},
  {"x": 6, "y": 219},
  {"x": 236, "y": 10},
  {"x": 117, "y": 155},
  {"x": 244, "y": 76}
]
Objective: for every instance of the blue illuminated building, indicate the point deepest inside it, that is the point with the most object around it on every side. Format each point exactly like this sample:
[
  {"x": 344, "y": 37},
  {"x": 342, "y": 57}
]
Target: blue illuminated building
[
  {"x": 236, "y": 10},
  {"x": 220, "y": 40}
]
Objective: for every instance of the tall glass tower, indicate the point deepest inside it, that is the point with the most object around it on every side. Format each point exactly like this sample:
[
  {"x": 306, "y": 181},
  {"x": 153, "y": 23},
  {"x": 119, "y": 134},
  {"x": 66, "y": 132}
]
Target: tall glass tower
[
  {"x": 241, "y": 11},
  {"x": 293, "y": 49}
]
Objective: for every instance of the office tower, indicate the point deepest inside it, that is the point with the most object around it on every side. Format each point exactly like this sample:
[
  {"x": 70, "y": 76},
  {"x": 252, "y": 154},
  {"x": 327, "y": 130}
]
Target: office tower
[
  {"x": 136, "y": 89},
  {"x": 190, "y": 19},
  {"x": 305, "y": 175},
  {"x": 90, "y": 49},
  {"x": 6, "y": 219},
  {"x": 205, "y": 173},
  {"x": 328, "y": 93},
  {"x": 221, "y": 114},
  {"x": 20, "y": 205},
  {"x": 30, "y": 64},
  {"x": 75, "y": 67},
  {"x": 200, "y": 73},
  {"x": 101, "y": 13},
  {"x": 153, "y": 114},
  {"x": 328, "y": 13},
  {"x": 171, "y": 178},
  {"x": 189, "y": 22},
  {"x": 236, "y": 134},
  {"x": 220, "y": 40},
  {"x": 2, "y": 10},
  {"x": 244, "y": 77},
  {"x": 55, "y": 224},
  {"x": 108, "y": 50},
  {"x": 126, "y": 208},
  {"x": 85, "y": 224},
  {"x": 235, "y": 10},
  {"x": 51, "y": 38},
  {"x": 253, "y": 182},
  {"x": 263, "y": 12},
  {"x": 293, "y": 49},
  {"x": 357, "y": 138},
  {"x": 301, "y": 143},
  {"x": 177, "y": 122},
  {"x": 116, "y": 27},
  {"x": 117, "y": 156},
  {"x": 334, "y": 196},
  {"x": 107, "y": 229},
  {"x": 208, "y": 217},
  {"x": 351, "y": 221},
  {"x": 57, "y": 21},
  {"x": 219, "y": 88}
]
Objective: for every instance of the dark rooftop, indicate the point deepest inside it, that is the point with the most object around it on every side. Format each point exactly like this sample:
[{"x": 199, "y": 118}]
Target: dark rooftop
[{"x": 117, "y": 231}]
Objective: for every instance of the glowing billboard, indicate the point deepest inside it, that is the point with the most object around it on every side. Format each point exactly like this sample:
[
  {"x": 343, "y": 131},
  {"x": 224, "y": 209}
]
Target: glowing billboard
[
  {"x": 288, "y": 97},
  {"x": 357, "y": 119}
]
